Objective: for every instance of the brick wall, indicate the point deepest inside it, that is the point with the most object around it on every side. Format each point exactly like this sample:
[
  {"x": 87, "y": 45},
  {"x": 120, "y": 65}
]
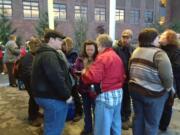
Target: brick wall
[{"x": 26, "y": 26}]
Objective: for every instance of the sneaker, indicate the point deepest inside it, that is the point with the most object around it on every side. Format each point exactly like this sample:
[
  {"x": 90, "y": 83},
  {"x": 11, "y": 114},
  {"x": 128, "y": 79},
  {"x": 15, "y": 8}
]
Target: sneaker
[
  {"x": 13, "y": 85},
  {"x": 35, "y": 123},
  {"x": 126, "y": 125},
  {"x": 77, "y": 118},
  {"x": 163, "y": 129},
  {"x": 2, "y": 73},
  {"x": 83, "y": 132},
  {"x": 40, "y": 115}
]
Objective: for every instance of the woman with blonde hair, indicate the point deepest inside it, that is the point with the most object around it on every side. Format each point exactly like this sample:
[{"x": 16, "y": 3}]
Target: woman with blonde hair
[
  {"x": 169, "y": 43},
  {"x": 69, "y": 51},
  {"x": 71, "y": 55}
]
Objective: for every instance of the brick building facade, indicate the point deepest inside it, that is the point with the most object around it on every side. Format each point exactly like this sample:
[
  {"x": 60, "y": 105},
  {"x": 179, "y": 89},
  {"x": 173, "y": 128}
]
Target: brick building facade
[{"x": 134, "y": 14}]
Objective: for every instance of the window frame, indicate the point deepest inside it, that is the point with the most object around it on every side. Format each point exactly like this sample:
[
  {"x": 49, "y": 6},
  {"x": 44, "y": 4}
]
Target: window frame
[
  {"x": 120, "y": 15},
  {"x": 5, "y": 6},
  {"x": 29, "y": 7},
  {"x": 134, "y": 16},
  {"x": 101, "y": 14},
  {"x": 82, "y": 12},
  {"x": 146, "y": 16},
  {"x": 59, "y": 11}
]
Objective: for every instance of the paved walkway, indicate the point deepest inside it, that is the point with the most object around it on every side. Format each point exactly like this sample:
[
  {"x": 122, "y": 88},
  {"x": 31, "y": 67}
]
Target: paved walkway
[{"x": 13, "y": 116}]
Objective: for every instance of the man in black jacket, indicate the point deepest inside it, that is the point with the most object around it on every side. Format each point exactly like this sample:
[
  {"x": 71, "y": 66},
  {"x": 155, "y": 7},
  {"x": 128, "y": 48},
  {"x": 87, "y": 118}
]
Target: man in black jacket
[
  {"x": 51, "y": 84},
  {"x": 124, "y": 50}
]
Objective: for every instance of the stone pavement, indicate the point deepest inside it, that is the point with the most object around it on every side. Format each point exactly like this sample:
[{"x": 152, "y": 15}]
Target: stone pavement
[{"x": 13, "y": 116}]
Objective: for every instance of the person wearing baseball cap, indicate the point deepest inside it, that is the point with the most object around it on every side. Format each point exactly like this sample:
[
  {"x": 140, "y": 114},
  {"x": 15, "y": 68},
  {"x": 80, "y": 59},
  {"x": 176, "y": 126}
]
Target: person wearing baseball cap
[
  {"x": 124, "y": 49},
  {"x": 51, "y": 83}
]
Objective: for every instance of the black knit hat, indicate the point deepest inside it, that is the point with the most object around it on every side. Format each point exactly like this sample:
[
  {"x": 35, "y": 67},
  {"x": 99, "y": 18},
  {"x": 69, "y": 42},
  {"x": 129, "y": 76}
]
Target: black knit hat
[{"x": 147, "y": 36}]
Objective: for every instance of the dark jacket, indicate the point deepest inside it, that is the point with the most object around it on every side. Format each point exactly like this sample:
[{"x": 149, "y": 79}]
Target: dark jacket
[
  {"x": 71, "y": 57},
  {"x": 173, "y": 53},
  {"x": 50, "y": 76},
  {"x": 124, "y": 52},
  {"x": 25, "y": 67},
  {"x": 79, "y": 66}
]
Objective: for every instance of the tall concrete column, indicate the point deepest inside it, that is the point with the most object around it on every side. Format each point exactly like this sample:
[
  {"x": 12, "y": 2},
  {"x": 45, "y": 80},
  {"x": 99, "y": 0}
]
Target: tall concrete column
[
  {"x": 50, "y": 14},
  {"x": 112, "y": 20},
  {"x": 91, "y": 20}
]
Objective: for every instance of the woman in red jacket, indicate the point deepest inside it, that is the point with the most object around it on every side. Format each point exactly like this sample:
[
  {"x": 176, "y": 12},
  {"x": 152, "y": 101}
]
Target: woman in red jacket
[{"x": 108, "y": 70}]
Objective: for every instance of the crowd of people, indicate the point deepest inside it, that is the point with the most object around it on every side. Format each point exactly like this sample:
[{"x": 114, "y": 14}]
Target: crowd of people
[{"x": 104, "y": 80}]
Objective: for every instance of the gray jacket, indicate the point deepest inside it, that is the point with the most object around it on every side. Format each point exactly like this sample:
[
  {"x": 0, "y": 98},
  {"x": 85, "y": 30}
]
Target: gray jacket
[{"x": 11, "y": 52}]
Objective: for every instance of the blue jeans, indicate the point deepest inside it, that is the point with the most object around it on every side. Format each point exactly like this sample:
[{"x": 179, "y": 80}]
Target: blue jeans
[
  {"x": 55, "y": 112},
  {"x": 88, "y": 107},
  {"x": 107, "y": 119},
  {"x": 148, "y": 113}
]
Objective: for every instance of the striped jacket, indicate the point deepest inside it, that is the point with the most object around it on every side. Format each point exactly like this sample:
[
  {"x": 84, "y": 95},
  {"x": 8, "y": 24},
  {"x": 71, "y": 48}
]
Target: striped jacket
[{"x": 150, "y": 69}]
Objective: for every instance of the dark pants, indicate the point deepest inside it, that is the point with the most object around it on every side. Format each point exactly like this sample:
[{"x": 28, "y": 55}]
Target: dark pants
[
  {"x": 12, "y": 80},
  {"x": 33, "y": 108},
  {"x": 77, "y": 101},
  {"x": 88, "y": 107},
  {"x": 1, "y": 65},
  {"x": 126, "y": 104},
  {"x": 166, "y": 116}
]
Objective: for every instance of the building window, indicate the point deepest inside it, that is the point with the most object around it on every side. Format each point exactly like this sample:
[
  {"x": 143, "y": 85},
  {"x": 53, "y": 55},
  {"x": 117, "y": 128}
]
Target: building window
[
  {"x": 119, "y": 15},
  {"x": 80, "y": 12},
  {"x": 60, "y": 11},
  {"x": 31, "y": 8},
  {"x": 134, "y": 16},
  {"x": 100, "y": 14},
  {"x": 148, "y": 17},
  {"x": 6, "y": 7}
]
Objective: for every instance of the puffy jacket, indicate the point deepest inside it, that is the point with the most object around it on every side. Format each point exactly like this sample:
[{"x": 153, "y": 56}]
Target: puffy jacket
[{"x": 107, "y": 69}]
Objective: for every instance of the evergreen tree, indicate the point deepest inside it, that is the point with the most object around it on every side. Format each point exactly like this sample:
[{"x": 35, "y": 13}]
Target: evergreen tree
[
  {"x": 43, "y": 24},
  {"x": 5, "y": 29},
  {"x": 80, "y": 32},
  {"x": 175, "y": 26}
]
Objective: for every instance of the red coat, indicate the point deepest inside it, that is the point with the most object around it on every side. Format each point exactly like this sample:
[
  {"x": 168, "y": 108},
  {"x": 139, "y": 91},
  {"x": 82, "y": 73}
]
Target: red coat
[
  {"x": 107, "y": 69},
  {"x": 1, "y": 54}
]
